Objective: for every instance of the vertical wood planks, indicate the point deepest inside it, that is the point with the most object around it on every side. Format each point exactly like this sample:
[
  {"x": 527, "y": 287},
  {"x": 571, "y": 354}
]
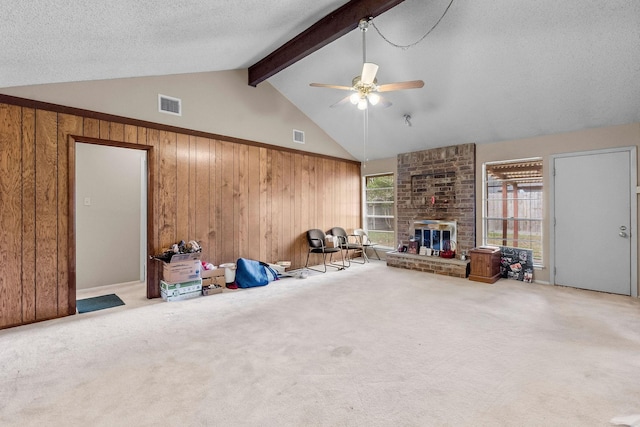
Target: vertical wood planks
[
  {"x": 154, "y": 268},
  {"x": 105, "y": 128},
  {"x": 131, "y": 134},
  {"x": 167, "y": 188},
  {"x": 214, "y": 202},
  {"x": 10, "y": 215},
  {"x": 276, "y": 210},
  {"x": 241, "y": 200},
  {"x": 28, "y": 215},
  {"x": 116, "y": 132},
  {"x": 314, "y": 218},
  {"x": 305, "y": 196},
  {"x": 287, "y": 234},
  {"x": 202, "y": 190},
  {"x": 215, "y": 177},
  {"x": 183, "y": 188},
  {"x": 46, "y": 215},
  {"x": 193, "y": 188},
  {"x": 296, "y": 190},
  {"x": 255, "y": 240},
  {"x": 91, "y": 128},
  {"x": 264, "y": 214},
  {"x": 153, "y": 139},
  {"x": 227, "y": 204},
  {"x": 142, "y": 136}
]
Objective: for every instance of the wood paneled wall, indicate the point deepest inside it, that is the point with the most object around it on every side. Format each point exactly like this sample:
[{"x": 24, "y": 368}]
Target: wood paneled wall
[{"x": 238, "y": 198}]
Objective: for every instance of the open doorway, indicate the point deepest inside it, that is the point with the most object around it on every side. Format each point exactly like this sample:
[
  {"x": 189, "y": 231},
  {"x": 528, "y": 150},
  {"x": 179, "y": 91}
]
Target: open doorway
[
  {"x": 109, "y": 218},
  {"x": 110, "y": 215}
]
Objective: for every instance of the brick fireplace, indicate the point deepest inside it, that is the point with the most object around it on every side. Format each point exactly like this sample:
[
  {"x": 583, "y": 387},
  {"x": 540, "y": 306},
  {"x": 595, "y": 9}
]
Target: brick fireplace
[{"x": 437, "y": 184}]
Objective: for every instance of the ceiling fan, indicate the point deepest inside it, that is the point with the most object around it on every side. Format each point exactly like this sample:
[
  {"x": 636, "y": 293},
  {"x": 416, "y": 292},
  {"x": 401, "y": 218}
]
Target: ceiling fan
[{"x": 365, "y": 86}]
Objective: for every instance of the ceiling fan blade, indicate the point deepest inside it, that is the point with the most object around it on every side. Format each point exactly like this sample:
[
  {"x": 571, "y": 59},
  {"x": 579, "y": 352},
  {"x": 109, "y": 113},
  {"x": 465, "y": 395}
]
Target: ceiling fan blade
[
  {"x": 413, "y": 84},
  {"x": 341, "y": 102},
  {"x": 331, "y": 86},
  {"x": 369, "y": 71}
]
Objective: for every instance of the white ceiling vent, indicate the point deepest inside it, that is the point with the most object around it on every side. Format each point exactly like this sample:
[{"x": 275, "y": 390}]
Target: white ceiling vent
[
  {"x": 169, "y": 105},
  {"x": 298, "y": 136}
]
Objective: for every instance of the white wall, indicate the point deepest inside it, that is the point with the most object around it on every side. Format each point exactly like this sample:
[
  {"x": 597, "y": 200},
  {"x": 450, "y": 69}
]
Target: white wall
[
  {"x": 108, "y": 237},
  {"x": 218, "y": 102}
]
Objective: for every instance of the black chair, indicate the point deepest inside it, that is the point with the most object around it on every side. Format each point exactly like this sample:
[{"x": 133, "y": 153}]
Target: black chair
[
  {"x": 316, "y": 241},
  {"x": 346, "y": 245}
]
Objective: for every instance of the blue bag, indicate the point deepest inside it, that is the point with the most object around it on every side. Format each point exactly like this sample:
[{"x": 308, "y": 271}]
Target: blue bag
[{"x": 251, "y": 273}]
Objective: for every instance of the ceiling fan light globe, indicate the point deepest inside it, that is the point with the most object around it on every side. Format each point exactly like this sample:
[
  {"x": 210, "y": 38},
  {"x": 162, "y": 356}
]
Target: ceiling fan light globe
[
  {"x": 354, "y": 98},
  {"x": 362, "y": 104},
  {"x": 374, "y": 98}
]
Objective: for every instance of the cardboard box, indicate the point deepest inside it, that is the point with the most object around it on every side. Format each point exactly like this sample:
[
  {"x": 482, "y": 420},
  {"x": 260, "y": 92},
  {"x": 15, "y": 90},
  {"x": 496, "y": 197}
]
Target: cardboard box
[
  {"x": 184, "y": 271},
  {"x": 210, "y": 281},
  {"x": 192, "y": 256},
  {"x": 211, "y": 290},
  {"x": 216, "y": 272},
  {"x": 176, "y": 289},
  {"x": 180, "y": 297},
  {"x": 331, "y": 241}
]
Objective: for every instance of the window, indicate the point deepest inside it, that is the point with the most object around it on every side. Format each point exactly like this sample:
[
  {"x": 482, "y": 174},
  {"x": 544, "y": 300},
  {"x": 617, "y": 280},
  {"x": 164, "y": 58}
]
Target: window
[
  {"x": 379, "y": 209},
  {"x": 513, "y": 205}
]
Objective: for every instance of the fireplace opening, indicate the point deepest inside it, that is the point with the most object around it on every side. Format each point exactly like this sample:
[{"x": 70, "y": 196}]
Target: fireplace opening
[{"x": 434, "y": 234}]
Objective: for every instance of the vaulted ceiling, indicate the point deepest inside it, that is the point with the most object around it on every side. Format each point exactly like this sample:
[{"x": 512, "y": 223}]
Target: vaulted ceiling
[{"x": 493, "y": 69}]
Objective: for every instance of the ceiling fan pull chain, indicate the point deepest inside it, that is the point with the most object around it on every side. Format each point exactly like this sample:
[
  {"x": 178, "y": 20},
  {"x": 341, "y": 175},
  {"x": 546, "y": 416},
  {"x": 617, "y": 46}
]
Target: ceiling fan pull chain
[
  {"x": 405, "y": 47},
  {"x": 365, "y": 134}
]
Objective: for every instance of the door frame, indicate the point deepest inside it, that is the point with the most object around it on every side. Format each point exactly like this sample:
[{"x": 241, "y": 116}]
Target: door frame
[
  {"x": 152, "y": 291},
  {"x": 634, "y": 189}
]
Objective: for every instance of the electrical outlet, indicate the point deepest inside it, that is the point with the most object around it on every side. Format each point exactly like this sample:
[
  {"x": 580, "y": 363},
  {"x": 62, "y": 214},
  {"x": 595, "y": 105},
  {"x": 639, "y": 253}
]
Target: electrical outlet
[{"x": 87, "y": 201}]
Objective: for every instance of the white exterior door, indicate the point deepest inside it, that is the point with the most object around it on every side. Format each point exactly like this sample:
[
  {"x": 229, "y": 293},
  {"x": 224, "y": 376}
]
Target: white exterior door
[{"x": 592, "y": 210}]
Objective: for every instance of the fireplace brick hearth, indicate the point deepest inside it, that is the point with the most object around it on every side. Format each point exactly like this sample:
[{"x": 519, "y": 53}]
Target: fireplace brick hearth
[{"x": 429, "y": 264}]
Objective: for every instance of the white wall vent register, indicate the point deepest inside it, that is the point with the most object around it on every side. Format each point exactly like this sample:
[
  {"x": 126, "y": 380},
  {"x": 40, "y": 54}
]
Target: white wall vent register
[
  {"x": 169, "y": 105},
  {"x": 298, "y": 136}
]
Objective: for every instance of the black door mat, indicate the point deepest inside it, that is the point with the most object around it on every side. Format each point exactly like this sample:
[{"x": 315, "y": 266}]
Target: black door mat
[{"x": 98, "y": 303}]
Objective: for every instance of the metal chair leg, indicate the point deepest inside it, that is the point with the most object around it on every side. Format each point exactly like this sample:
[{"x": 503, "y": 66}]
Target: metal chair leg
[
  {"x": 343, "y": 263},
  {"x": 336, "y": 266},
  {"x": 324, "y": 263}
]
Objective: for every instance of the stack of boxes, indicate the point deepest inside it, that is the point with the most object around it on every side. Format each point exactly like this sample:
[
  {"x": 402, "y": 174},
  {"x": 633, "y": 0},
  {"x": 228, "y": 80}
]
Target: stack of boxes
[{"x": 181, "y": 277}]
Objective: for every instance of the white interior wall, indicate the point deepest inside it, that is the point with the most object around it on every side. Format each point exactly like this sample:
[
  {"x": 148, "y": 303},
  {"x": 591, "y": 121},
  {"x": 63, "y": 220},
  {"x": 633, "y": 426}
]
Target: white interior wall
[{"x": 109, "y": 195}]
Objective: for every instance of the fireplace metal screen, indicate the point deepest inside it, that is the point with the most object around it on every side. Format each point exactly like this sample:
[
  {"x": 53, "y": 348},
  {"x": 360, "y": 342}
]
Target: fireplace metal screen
[{"x": 433, "y": 233}]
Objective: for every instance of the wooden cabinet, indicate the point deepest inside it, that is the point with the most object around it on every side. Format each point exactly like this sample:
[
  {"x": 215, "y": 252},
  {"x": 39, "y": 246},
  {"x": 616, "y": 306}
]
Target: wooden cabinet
[{"x": 485, "y": 264}]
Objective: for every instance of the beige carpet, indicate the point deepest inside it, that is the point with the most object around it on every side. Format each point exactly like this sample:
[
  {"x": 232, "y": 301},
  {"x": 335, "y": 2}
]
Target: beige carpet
[{"x": 368, "y": 346}]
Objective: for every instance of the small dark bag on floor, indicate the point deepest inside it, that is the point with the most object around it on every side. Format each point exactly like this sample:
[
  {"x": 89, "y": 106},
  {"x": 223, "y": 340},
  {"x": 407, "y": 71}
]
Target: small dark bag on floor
[{"x": 251, "y": 273}]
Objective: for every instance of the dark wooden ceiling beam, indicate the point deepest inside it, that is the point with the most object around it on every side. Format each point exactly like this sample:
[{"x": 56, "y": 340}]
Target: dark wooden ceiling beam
[{"x": 330, "y": 28}]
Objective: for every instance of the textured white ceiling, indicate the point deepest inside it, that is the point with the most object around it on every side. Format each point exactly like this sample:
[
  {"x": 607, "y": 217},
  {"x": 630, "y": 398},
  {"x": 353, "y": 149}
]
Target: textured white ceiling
[
  {"x": 45, "y": 41},
  {"x": 493, "y": 69}
]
